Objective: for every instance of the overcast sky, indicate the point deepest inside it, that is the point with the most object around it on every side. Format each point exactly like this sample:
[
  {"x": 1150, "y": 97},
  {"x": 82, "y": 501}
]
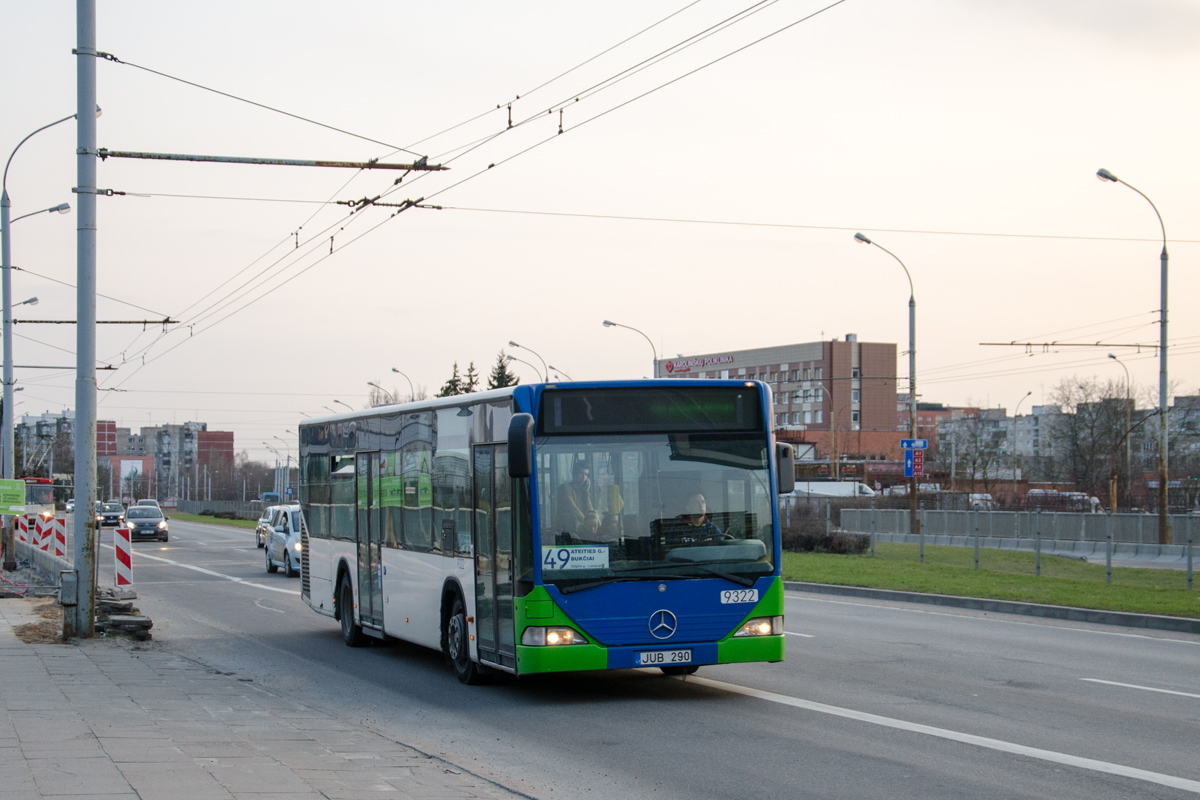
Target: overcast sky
[{"x": 963, "y": 137}]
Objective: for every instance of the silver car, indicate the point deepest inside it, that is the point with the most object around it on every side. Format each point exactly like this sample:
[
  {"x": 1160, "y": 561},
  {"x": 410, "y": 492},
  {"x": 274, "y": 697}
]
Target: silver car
[
  {"x": 283, "y": 540},
  {"x": 146, "y": 522}
]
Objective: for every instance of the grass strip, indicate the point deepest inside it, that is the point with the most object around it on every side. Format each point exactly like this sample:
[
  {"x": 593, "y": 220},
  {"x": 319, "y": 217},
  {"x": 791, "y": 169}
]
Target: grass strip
[
  {"x": 1002, "y": 575},
  {"x": 231, "y": 523}
]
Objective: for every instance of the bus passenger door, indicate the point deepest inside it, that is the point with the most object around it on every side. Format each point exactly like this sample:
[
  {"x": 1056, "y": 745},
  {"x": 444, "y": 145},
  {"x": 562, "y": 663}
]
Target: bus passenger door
[
  {"x": 493, "y": 539},
  {"x": 370, "y": 571}
]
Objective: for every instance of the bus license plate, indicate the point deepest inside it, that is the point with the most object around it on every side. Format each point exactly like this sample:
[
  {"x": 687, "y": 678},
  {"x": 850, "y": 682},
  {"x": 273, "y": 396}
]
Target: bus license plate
[
  {"x": 739, "y": 596},
  {"x": 662, "y": 658}
]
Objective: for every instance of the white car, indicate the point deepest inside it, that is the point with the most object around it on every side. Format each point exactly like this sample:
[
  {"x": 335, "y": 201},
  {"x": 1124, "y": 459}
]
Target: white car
[
  {"x": 264, "y": 525},
  {"x": 283, "y": 540}
]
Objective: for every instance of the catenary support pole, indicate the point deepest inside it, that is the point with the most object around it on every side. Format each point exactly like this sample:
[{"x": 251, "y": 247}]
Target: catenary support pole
[
  {"x": 1037, "y": 545},
  {"x": 84, "y": 623}
]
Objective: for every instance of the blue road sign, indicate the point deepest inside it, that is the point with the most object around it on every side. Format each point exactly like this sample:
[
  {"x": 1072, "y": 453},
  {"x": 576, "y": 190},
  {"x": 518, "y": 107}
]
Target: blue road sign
[
  {"x": 908, "y": 463},
  {"x": 914, "y": 444}
]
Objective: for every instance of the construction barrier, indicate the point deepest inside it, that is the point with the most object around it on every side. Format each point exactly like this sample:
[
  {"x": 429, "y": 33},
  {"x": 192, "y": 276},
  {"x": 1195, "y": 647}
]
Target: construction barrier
[
  {"x": 44, "y": 530},
  {"x": 123, "y": 552},
  {"x": 60, "y": 537},
  {"x": 23, "y": 529}
]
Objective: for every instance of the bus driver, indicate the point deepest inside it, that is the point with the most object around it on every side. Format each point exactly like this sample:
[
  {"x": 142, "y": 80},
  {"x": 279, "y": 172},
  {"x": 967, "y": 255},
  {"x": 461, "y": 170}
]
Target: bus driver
[{"x": 692, "y": 526}]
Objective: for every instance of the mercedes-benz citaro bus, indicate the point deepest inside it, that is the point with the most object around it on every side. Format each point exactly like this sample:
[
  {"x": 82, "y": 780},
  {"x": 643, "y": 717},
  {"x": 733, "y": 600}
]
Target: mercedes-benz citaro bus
[{"x": 553, "y": 527}]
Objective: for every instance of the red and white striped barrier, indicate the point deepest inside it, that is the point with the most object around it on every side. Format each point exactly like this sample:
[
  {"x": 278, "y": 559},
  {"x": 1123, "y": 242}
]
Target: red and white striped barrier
[
  {"x": 44, "y": 529},
  {"x": 23, "y": 529},
  {"x": 124, "y": 557},
  {"x": 60, "y": 536}
]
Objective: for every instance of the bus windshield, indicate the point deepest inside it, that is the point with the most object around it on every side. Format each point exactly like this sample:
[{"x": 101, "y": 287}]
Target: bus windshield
[
  {"x": 654, "y": 506},
  {"x": 39, "y": 494}
]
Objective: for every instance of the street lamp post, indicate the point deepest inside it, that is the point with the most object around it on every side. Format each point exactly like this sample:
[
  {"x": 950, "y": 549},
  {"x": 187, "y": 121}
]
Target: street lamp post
[
  {"x": 287, "y": 481},
  {"x": 564, "y": 374},
  {"x": 510, "y": 357},
  {"x": 276, "y": 452},
  {"x": 347, "y": 405},
  {"x": 1016, "y": 454},
  {"x": 6, "y": 419},
  {"x": 1164, "y": 522},
  {"x": 387, "y": 396},
  {"x": 653, "y": 351},
  {"x": 914, "y": 522},
  {"x": 1128, "y": 440},
  {"x": 412, "y": 394},
  {"x": 545, "y": 373}
]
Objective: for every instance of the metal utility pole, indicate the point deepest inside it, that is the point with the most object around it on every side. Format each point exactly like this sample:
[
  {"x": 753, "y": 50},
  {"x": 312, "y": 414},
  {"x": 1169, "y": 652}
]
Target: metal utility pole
[
  {"x": 1164, "y": 521},
  {"x": 84, "y": 622}
]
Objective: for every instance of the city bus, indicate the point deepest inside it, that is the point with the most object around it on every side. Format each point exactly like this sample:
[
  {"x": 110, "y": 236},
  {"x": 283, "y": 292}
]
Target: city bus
[
  {"x": 39, "y": 497},
  {"x": 552, "y": 527}
]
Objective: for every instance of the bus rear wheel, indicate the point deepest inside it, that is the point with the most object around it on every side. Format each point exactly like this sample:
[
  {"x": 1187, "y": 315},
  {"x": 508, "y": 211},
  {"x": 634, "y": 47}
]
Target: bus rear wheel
[
  {"x": 352, "y": 634},
  {"x": 679, "y": 670},
  {"x": 458, "y": 647}
]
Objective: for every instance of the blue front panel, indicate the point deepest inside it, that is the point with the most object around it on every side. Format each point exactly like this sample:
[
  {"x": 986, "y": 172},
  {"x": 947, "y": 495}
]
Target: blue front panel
[{"x": 619, "y": 614}]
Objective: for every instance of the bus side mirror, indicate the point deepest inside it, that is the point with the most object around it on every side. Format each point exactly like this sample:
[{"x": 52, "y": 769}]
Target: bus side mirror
[
  {"x": 785, "y": 464},
  {"x": 520, "y": 446}
]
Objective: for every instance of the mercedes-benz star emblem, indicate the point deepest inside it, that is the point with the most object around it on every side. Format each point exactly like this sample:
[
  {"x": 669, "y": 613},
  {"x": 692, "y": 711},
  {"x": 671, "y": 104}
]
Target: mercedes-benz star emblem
[{"x": 663, "y": 624}]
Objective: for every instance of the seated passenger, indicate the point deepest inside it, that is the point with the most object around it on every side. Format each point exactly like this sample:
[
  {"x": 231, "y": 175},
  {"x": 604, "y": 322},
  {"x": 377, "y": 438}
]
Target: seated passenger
[{"x": 691, "y": 527}]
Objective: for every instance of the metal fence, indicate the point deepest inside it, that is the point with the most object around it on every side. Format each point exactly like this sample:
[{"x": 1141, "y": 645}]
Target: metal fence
[{"x": 1139, "y": 529}]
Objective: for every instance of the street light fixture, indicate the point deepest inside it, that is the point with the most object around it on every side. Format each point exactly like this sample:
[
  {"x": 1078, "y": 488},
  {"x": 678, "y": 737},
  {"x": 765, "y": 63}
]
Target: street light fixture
[
  {"x": 912, "y": 373},
  {"x": 347, "y": 405},
  {"x": 1128, "y": 440},
  {"x": 653, "y": 351},
  {"x": 556, "y": 369},
  {"x": 510, "y": 357},
  {"x": 412, "y": 394},
  {"x": 1016, "y": 414},
  {"x": 545, "y": 373},
  {"x": 387, "y": 396},
  {"x": 1164, "y": 523},
  {"x": 6, "y": 419}
]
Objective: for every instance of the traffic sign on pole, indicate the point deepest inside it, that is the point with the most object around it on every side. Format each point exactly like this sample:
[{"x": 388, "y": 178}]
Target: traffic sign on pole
[
  {"x": 914, "y": 444},
  {"x": 908, "y": 462},
  {"x": 918, "y": 463}
]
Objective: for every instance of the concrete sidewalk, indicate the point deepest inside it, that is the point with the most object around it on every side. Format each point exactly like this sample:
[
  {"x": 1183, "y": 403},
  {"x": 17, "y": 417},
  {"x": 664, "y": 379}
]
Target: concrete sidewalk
[{"x": 114, "y": 719}]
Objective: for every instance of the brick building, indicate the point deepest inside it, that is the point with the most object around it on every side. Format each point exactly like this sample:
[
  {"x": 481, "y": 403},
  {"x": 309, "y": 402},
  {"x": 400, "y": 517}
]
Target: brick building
[{"x": 831, "y": 398}]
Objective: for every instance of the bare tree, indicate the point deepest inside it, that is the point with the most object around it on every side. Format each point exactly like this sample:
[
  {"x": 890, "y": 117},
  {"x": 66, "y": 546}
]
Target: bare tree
[{"x": 1088, "y": 439}]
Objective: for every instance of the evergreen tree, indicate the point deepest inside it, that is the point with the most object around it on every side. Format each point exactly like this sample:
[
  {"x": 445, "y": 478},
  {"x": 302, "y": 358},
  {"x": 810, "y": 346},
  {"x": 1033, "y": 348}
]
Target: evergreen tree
[
  {"x": 453, "y": 386},
  {"x": 500, "y": 375},
  {"x": 471, "y": 380}
]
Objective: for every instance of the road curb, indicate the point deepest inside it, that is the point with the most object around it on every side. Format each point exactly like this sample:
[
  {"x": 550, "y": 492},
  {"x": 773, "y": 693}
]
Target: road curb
[{"x": 1148, "y": 621}]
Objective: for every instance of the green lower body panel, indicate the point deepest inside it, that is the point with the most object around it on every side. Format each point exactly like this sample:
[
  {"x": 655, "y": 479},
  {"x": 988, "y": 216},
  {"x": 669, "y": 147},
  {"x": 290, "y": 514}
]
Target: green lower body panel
[
  {"x": 567, "y": 658},
  {"x": 750, "y": 648}
]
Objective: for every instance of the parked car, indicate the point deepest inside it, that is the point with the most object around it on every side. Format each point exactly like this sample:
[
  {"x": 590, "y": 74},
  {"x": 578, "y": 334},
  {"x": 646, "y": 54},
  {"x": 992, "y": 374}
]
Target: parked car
[
  {"x": 147, "y": 501},
  {"x": 146, "y": 522},
  {"x": 264, "y": 525},
  {"x": 71, "y": 505},
  {"x": 110, "y": 513},
  {"x": 283, "y": 540}
]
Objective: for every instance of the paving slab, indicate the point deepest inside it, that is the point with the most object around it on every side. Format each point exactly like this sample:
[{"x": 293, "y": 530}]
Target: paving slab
[{"x": 114, "y": 719}]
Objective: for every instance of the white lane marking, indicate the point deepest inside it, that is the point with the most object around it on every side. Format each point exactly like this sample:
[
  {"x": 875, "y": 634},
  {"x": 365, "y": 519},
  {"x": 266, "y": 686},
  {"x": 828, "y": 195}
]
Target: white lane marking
[
  {"x": 794, "y": 596},
  {"x": 1143, "y": 688},
  {"x": 266, "y": 608},
  {"x": 204, "y": 571},
  {"x": 954, "y": 736},
  {"x": 805, "y": 635}
]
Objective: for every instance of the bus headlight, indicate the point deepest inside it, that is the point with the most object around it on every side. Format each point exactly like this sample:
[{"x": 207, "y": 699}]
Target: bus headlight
[
  {"x": 761, "y": 626},
  {"x": 538, "y": 636}
]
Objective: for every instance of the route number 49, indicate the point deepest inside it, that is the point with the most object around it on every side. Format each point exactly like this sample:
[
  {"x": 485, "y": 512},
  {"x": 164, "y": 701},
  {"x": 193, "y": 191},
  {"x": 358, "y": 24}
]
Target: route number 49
[{"x": 556, "y": 558}]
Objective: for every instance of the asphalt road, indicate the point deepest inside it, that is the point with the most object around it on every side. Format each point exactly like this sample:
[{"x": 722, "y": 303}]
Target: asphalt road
[{"x": 874, "y": 700}]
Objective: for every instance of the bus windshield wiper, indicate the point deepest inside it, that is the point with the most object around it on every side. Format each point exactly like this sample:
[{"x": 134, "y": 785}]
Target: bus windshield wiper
[{"x": 740, "y": 580}]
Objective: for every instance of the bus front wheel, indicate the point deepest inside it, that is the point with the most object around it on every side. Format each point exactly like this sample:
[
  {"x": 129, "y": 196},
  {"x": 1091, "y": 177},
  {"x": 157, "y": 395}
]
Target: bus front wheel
[
  {"x": 352, "y": 634},
  {"x": 458, "y": 646}
]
